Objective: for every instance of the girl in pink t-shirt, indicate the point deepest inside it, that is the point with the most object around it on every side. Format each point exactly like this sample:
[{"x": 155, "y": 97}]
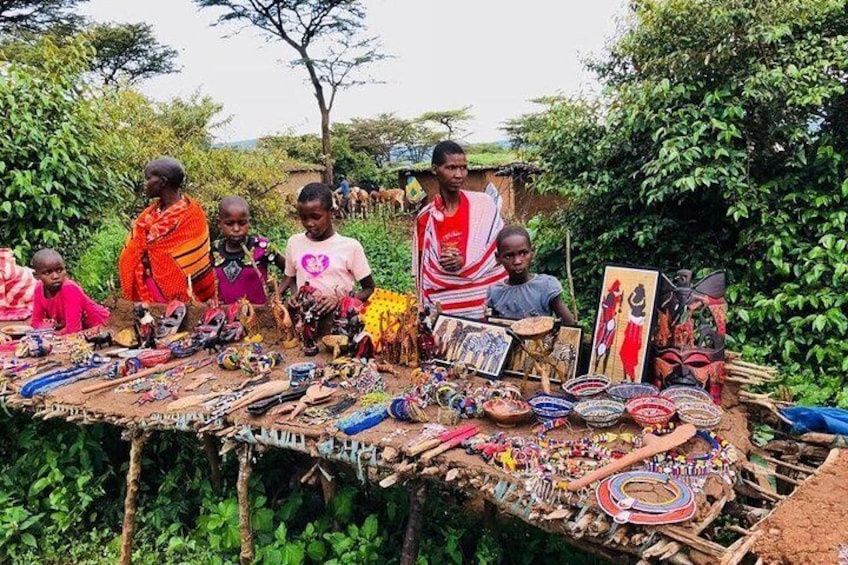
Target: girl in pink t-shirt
[
  {"x": 59, "y": 302},
  {"x": 330, "y": 262}
]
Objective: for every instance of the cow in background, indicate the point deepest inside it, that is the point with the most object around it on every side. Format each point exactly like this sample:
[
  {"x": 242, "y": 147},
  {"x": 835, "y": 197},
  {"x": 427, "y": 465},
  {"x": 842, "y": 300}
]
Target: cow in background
[
  {"x": 392, "y": 199},
  {"x": 359, "y": 202}
]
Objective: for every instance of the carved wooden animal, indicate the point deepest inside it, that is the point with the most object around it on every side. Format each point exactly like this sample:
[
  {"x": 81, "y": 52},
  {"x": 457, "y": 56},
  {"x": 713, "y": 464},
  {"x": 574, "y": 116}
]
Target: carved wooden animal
[{"x": 247, "y": 316}]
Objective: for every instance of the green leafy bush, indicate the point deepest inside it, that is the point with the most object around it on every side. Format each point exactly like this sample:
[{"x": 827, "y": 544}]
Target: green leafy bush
[
  {"x": 53, "y": 182},
  {"x": 95, "y": 270},
  {"x": 388, "y": 247},
  {"x": 720, "y": 142}
]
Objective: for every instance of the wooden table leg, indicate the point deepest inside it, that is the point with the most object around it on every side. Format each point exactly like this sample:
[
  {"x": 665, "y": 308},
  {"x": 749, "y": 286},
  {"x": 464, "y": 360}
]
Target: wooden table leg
[
  {"x": 245, "y": 455},
  {"x": 137, "y": 440},
  {"x": 210, "y": 446},
  {"x": 417, "y": 499}
]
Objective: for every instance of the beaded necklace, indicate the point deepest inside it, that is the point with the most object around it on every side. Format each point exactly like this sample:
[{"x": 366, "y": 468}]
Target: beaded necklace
[{"x": 718, "y": 459}]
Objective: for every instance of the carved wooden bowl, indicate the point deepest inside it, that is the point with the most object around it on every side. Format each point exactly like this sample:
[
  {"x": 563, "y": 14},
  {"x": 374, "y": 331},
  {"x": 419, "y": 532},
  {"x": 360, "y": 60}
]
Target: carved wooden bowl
[
  {"x": 507, "y": 413},
  {"x": 533, "y": 328},
  {"x": 16, "y": 331}
]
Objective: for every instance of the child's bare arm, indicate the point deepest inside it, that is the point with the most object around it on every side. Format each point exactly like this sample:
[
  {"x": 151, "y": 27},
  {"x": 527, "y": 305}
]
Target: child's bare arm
[
  {"x": 561, "y": 310},
  {"x": 286, "y": 285},
  {"x": 367, "y": 289},
  {"x": 280, "y": 262}
]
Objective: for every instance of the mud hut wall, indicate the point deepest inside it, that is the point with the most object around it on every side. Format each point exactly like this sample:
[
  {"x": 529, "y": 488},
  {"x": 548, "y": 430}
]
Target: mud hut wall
[
  {"x": 529, "y": 202},
  {"x": 296, "y": 179},
  {"x": 477, "y": 181}
]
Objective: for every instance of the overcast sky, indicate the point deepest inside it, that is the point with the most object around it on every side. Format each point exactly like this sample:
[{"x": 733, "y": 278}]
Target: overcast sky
[{"x": 494, "y": 55}]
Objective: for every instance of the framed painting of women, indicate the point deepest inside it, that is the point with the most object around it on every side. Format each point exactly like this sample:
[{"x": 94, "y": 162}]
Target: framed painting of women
[{"x": 622, "y": 330}]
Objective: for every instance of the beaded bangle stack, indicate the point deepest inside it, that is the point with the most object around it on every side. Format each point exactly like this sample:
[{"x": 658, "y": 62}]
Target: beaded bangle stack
[
  {"x": 407, "y": 409},
  {"x": 627, "y": 505}
]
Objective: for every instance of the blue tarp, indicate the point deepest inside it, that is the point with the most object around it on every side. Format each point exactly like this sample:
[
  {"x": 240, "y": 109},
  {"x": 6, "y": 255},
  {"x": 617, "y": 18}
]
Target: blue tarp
[{"x": 817, "y": 419}]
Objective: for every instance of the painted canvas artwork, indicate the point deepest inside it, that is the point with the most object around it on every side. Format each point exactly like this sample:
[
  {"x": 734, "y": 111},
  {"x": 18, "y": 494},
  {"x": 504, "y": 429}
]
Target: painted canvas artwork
[
  {"x": 564, "y": 353},
  {"x": 623, "y": 326},
  {"x": 485, "y": 346}
]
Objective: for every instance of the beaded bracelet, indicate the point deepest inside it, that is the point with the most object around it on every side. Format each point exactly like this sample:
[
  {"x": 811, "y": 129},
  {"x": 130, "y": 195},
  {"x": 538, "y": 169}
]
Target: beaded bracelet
[{"x": 362, "y": 419}]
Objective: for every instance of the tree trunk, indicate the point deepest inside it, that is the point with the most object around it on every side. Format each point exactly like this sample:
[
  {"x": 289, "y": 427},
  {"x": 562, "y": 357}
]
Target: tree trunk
[{"x": 325, "y": 145}]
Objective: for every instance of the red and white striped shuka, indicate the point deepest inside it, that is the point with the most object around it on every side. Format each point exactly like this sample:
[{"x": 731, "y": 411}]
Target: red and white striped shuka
[
  {"x": 462, "y": 293},
  {"x": 17, "y": 285}
]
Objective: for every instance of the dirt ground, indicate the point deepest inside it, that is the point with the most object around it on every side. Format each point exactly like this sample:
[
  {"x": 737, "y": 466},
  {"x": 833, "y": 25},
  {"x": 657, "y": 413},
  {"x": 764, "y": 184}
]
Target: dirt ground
[{"x": 810, "y": 527}]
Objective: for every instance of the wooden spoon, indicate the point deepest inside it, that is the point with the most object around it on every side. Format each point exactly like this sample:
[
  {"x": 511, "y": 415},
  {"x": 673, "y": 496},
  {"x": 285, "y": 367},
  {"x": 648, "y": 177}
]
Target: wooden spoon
[{"x": 653, "y": 446}]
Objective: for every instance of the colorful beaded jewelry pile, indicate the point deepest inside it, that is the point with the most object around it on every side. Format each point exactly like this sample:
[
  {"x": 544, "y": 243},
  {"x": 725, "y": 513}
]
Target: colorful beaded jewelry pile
[{"x": 718, "y": 459}]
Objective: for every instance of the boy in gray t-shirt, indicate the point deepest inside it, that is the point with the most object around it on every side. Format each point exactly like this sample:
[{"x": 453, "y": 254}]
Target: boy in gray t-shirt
[{"x": 524, "y": 294}]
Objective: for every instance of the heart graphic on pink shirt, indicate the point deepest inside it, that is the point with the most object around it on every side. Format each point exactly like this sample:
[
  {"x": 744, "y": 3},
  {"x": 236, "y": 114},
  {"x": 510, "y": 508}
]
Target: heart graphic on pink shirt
[{"x": 315, "y": 264}]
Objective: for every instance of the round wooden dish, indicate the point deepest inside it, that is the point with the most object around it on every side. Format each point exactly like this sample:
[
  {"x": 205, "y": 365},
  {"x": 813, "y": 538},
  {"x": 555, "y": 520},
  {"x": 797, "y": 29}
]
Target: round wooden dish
[
  {"x": 533, "y": 328},
  {"x": 507, "y": 413},
  {"x": 600, "y": 413},
  {"x": 700, "y": 414},
  {"x": 549, "y": 406},
  {"x": 626, "y": 391},
  {"x": 680, "y": 394},
  {"x": 16, "y": 331},
  {"x": 587, "y": 385},
  {"x": 651, "y": 410}
]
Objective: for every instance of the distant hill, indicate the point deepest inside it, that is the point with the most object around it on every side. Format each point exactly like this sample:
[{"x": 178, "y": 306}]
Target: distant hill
[{"x": 245, "y": 144}]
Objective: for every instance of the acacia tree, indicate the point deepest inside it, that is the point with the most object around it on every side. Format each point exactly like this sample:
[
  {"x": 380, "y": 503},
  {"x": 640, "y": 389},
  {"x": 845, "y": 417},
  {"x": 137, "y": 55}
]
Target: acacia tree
[
  {"x": 325, "y": 34},
  {"x": 129, "y": 53},
  {"x": 452, "y": 120},
  {"x": 37, "y": 16}
]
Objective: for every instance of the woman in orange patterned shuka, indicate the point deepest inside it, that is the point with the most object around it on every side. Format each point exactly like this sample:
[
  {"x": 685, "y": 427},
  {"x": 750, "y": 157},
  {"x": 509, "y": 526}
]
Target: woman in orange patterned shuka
[{"x": 167, "y": 255}]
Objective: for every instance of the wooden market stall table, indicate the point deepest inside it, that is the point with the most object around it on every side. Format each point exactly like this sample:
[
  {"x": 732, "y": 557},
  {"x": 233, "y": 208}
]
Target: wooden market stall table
[{"x": 378, "y": 454}]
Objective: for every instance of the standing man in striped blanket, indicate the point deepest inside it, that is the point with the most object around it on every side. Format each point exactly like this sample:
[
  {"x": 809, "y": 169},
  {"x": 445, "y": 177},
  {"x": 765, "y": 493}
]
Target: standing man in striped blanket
[{"x": 453, "y": 257}]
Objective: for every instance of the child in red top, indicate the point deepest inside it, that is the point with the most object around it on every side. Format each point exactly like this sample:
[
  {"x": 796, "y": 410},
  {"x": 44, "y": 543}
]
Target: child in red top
[{"x": 59, "y": 302}]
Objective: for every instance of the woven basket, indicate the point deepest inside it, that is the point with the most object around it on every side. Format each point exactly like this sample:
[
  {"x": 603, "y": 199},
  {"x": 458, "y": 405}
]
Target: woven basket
[
  {"x": 626, "y": 391},
  {"x": 600, "y": 413},
  {"x": 681, "y": 394},
  {"x": 700, "y": 414},
  {"x": 651, "y": 410},
  {"x": 549, "y": 406},
  {"x": 587, "y": 385}
]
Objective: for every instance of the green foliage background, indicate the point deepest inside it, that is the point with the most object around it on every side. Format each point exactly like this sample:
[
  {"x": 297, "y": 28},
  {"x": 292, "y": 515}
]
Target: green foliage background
[{"x": 720, "y": 142}]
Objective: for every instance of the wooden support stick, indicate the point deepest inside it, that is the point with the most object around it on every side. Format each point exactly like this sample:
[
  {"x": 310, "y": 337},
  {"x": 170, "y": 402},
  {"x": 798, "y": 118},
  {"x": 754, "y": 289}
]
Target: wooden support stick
[
  {"x": 245, "y": 453},
  {"x": 793, "y": 466},
  {"x": 137, "y": 441},
  {"x": 653, "y": 446},
  {"x": 210, "y": 446},
  {"x": 704, "y": 546},
  {"x": 417, "y": 499},
  {"x": 740, "y": 548},
  {"x": 143, "y": 373},
  {"x": 829, "y": 440}
]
